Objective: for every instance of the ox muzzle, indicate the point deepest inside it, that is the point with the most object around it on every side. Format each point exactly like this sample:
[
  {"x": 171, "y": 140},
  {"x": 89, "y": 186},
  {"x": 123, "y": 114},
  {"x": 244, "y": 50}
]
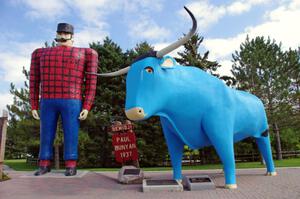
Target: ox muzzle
[{"x": 136, "y": 113}]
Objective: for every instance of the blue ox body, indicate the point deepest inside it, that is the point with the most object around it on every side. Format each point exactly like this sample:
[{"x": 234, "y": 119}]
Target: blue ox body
[{"x": 195, "y": 108}]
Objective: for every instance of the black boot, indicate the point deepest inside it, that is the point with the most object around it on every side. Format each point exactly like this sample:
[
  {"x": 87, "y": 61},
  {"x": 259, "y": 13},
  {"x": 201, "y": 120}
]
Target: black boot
[
  {"x": 70, "y": 171},
  {"x": 42, "y": 170}
]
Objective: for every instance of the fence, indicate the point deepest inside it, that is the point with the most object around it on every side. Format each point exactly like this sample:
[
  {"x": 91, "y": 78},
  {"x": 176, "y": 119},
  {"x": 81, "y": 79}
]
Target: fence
[{"x": 193, "y": 160}]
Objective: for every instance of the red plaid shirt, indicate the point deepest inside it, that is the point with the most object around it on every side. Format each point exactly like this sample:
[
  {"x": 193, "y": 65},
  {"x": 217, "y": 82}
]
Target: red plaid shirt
[{"x": 58, "y": 73}]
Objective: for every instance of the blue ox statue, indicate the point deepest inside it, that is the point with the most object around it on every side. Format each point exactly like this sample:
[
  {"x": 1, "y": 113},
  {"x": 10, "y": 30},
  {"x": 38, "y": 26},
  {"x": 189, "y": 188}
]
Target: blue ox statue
[{"x": 195, "y": 108}]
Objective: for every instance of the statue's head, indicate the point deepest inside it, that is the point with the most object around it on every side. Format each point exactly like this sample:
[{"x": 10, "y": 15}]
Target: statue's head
[{"x": 64, "y": 34}]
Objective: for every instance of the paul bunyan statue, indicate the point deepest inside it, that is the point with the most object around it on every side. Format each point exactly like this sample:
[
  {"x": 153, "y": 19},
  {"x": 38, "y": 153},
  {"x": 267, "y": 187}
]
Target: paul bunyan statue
[{"x": 57, "y": 77}]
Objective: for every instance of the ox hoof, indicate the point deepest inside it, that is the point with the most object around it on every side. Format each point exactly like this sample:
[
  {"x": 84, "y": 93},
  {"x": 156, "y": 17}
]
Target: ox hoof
[
  {"x": 271, "y": 173},
  {"x": 230, "y": 186}
]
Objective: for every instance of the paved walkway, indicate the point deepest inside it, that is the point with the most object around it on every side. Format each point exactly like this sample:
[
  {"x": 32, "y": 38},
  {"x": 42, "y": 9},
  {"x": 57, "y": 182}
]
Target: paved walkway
[{"x": 252, "y": 184}]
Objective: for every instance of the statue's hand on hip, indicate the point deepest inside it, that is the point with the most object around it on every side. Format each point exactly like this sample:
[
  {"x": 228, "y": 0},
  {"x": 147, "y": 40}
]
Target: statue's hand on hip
[
  {"x": 83, "y": 115},
  {"x": 35, "y": 114}
]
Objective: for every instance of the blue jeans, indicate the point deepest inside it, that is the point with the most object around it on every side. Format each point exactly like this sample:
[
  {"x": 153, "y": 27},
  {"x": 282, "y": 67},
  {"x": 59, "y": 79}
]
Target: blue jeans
[{"x": 69, "y": 110}]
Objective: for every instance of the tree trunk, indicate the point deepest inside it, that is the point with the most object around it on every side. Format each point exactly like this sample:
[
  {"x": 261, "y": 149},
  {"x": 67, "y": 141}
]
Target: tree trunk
[
  {"x": 56, "y": 156},
  {"x": 202, "y": 156},
  {"x": 278, "y": 143},
  {"x": 262, "y": 160}
]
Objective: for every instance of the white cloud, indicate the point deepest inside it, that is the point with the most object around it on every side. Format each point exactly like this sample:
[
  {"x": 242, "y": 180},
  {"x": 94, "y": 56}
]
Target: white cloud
[
  {"x": 279, "y": 25},
  {"x": 12, "y": 61},
  {"x": 238, "y": 7},
  {"x": 146, "y": 28},
  {"x": 11, "y": 65},
  {"x": 205, "y": 13},
  {"x": 5, "y": 99},
  {"x": 45, "y": 9},
  {"x": 222, "y": 48},
  {"x": 94, "y": 12},
  {"x": 225, "y": 69},
  {"x": 88, "y": 35},
  {"x": 138, "y": 18},
  {"x": 208, "y": 14},
  {"x": 135, "y": 6}
]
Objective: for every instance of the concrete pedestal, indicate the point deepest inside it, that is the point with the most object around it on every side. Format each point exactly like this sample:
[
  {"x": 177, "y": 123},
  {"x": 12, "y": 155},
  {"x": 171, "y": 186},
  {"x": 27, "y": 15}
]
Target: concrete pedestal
[
  {"x": 198, "y": 182},
  {"x": 161, "y": 185},
  {"x": 130, "y": 175}
]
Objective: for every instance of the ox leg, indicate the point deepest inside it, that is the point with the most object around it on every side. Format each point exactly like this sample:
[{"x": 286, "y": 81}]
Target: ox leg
[
  {"x": 220, "y": 134},
  {"x": 225, "y": 150},
  {"x": 175, "y": 147},
  {"x": 264, "y": 146}
]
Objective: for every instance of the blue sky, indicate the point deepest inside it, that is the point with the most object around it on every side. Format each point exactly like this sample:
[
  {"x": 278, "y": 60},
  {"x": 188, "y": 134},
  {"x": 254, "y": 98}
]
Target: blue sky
[{"x": 27, "y": 24}]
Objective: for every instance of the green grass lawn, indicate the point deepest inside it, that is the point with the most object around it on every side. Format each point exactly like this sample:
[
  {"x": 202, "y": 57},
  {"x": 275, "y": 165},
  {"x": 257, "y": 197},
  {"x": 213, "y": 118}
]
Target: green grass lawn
[{"x": 20, "y": 165}]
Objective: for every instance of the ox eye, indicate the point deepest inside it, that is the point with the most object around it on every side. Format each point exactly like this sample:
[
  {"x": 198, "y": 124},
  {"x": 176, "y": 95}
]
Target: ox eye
[{"x": 149, "y": 69}]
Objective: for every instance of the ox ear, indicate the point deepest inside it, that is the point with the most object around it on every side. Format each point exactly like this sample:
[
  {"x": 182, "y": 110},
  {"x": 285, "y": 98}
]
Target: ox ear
[{"x": 168, "y": 62}]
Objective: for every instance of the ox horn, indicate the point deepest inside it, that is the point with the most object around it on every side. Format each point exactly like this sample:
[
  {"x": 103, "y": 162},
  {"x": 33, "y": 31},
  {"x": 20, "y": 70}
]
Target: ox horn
[
  {"x": 181, "y": 41},
  {"x": 160, "y": 53},
  {"x": 112, "y": 74}
]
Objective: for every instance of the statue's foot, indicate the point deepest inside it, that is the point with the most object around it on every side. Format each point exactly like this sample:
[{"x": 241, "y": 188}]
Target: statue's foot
[
  {"x": 274, "y": 173},
  {"x": 42, "y": 170},
  {"x": 230, "y": 186},
  {"x": 70, "y": 171}
]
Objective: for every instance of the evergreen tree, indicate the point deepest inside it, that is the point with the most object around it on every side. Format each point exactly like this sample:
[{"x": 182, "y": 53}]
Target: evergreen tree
[
  {"x": 23, "y": 130},
  {"x": 290, "y": 118},
  {"x": 294, "y": 92}
]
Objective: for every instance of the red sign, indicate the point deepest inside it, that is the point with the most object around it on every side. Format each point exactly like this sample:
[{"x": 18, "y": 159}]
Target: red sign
[{"x": 125, "y": 146}]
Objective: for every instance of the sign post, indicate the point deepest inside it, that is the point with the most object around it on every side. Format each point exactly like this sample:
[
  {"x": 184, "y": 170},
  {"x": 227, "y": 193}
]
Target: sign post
[
  {"x": 125, "y": 149},
  {"x": 3, "y": 127}
]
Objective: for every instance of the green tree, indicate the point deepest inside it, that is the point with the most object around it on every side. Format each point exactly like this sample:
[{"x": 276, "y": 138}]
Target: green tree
[
  {"x": 23, "y": 130},
  {"x": 294, "y": 92}
]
